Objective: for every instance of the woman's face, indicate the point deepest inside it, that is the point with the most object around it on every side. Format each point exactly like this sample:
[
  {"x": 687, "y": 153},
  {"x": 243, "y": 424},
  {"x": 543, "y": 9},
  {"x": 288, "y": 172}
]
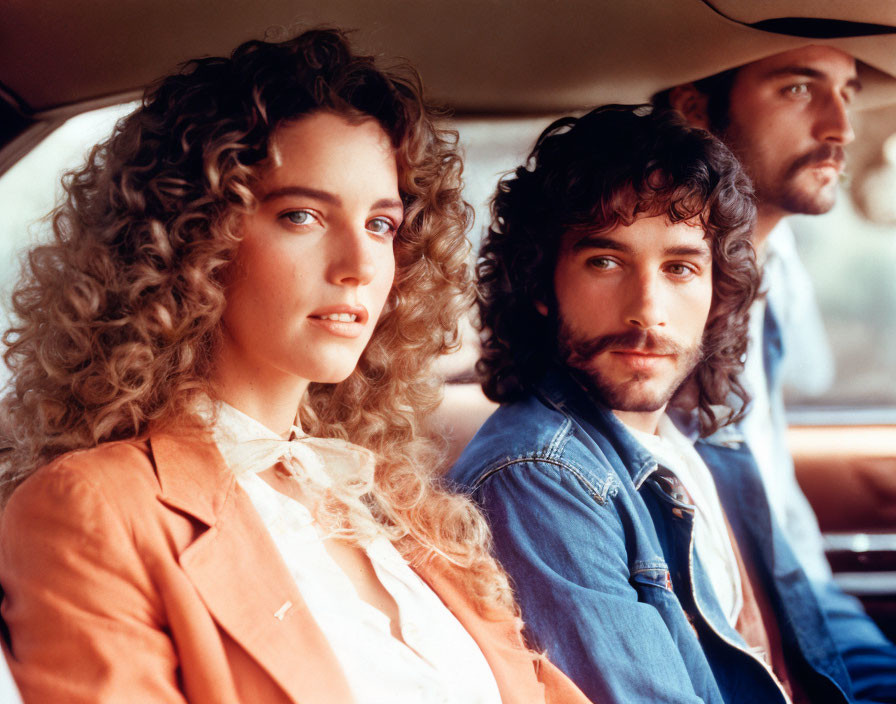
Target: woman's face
[{"x": 316, "y": 263}]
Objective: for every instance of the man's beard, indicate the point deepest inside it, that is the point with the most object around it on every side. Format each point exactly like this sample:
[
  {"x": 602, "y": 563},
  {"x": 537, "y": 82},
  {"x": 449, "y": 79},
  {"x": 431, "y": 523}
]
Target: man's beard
[
  {"x": 579, "y": 352},
  {"x": 782, "y": 190}
]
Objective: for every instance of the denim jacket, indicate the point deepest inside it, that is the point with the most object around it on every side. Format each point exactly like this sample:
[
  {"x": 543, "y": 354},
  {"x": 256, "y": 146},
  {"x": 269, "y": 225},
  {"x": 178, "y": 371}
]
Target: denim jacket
[
  {"x": 869, "y": 656},
  {"x": 601, "y": 556}
]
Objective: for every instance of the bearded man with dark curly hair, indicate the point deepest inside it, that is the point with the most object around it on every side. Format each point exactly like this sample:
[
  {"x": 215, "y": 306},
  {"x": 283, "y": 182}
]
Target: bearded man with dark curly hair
[{"x": 615, "y": 287}]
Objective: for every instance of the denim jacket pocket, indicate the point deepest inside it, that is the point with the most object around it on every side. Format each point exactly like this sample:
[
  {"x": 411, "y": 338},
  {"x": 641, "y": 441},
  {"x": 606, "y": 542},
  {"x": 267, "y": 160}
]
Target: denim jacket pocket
[{"x": 653, "y": 582}]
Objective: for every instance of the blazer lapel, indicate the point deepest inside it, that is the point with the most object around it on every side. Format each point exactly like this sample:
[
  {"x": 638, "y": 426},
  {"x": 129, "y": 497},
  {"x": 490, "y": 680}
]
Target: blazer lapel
[
  {"x": 497, "y": 635},
  {"x": 240, "y": 575}
]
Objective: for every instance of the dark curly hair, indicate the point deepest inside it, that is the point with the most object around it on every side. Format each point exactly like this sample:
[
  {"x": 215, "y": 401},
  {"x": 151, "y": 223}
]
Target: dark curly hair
[
  {"x": 597, "y": 172},
  {"x": 717, "y": 89}
]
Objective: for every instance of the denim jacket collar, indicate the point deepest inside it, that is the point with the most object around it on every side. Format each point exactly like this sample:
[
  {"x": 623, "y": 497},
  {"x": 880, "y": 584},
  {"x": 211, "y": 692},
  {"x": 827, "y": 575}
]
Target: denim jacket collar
[{"x": 560, "y": 389}]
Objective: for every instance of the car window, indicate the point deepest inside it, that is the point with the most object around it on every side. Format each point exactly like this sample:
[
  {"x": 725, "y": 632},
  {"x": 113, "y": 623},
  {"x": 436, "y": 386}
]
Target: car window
[
  {"x": 852, "y": 263},
  {"x": 30, "y": 189}
]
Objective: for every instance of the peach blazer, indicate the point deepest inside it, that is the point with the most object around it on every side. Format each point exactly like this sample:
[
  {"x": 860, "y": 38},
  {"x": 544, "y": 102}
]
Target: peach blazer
[{"x": 140, "y": 572}]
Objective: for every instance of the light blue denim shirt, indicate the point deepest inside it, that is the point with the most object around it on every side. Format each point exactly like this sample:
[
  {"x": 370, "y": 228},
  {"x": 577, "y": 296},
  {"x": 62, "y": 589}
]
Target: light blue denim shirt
[{"x": 600, "y": 552}]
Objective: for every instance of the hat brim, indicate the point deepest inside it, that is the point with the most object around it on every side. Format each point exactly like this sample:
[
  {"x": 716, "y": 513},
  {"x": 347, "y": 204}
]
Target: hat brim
[{"x": 730, "y": 34}]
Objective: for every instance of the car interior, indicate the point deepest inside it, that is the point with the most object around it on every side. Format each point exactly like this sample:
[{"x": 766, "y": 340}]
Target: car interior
[{"x": 503, "y": 70}]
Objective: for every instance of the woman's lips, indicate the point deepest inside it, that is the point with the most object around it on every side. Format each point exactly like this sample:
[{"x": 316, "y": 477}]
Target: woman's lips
[{"x": 341, "y": 320}]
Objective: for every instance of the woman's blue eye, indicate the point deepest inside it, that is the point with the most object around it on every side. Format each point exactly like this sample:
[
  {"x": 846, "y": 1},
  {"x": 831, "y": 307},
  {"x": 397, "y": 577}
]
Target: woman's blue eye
[
  {"x": 381, "y": 226},
  {"x": 299, "y": 217}
]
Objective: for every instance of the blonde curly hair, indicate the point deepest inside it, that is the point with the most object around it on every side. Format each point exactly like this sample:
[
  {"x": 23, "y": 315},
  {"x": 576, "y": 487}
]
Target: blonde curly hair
[{"x": 118, "y": 317}]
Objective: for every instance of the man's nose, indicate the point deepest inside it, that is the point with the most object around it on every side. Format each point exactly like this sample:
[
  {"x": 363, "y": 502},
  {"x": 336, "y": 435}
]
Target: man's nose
[
  {"x": 832, "y": 123},
  {"x": 644, "y": 308}
]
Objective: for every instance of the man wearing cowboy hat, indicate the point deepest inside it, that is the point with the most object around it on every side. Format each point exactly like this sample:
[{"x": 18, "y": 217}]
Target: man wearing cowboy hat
[{"x": 788, "y": 119}]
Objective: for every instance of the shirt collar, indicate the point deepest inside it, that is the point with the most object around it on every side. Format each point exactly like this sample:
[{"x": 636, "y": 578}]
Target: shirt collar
[
  {"x": 233, "y": 426},
  {"x": 249, "y": 447}
]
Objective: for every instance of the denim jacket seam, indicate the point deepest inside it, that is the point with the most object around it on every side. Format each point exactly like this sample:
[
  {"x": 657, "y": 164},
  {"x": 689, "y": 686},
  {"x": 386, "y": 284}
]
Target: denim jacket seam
[
  {"x": 561, "y": 438},
  {"x": 601, "y": 494},
  {"x": 648, "y": 566}
]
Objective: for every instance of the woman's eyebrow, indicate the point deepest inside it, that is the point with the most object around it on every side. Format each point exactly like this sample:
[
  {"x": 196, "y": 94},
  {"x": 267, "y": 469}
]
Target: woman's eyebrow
[
  {"x": 325, "y": 196},
  {"x": 283, "y": 191},
  {"x": 388, "y": 203}
]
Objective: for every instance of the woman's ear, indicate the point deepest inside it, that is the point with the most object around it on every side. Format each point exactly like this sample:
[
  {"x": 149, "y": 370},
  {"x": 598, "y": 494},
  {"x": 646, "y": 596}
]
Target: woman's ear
[
  {"x": 691, "y": 103},
  {"x": 541, "y": 308}
]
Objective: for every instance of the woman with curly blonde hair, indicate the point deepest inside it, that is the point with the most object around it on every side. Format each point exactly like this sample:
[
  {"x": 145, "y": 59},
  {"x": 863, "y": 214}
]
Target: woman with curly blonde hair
[{"x": 216, "y": 486}]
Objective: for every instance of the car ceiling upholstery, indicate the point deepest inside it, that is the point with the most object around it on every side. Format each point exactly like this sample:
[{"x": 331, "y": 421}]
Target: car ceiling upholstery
[{"x": 58, "y": 57}]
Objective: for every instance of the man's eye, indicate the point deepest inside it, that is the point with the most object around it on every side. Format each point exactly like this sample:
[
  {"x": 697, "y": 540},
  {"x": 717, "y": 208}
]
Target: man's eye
[
  {"x": 797, "y": 90},
  {"x": 299, "y": 217},
  {"x": 602, "y": 263},
  {"x": 382, "y": 226},
  {"x": 680, "y": 270}
]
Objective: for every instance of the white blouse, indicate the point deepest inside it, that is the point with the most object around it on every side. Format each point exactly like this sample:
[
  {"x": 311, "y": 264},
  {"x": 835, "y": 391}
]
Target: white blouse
[{"x": 436, "y": 660}]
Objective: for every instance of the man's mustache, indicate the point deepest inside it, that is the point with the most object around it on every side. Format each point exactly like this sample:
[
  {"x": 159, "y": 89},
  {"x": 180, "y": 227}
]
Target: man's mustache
[
  {"x": 824, "y": 152},
  {"x": 646, "y": 341}
]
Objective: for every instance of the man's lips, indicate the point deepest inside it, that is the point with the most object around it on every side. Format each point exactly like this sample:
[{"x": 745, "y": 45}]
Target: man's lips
[
  {"x": 825, "y": 156},
  {"x": 837, "y": 166},
  {"x": 639, "y": 359},
  {"x": 641, "y": 353},
  {"x": 636, "y": 341}
]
